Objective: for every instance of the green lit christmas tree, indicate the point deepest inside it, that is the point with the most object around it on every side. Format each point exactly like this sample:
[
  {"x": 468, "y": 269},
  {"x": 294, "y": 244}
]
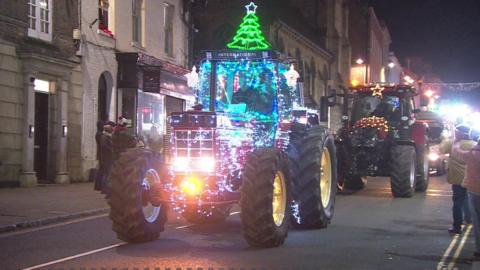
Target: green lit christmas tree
[{"x": 249, "y": 36}]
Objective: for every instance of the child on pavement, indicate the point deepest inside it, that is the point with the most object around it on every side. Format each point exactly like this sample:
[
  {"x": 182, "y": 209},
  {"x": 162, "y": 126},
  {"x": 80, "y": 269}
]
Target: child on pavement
[{"x": 472, "y": 183}]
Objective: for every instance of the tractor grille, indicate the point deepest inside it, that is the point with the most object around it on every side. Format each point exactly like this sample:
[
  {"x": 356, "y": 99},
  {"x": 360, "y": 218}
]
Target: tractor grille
[{"x": 193, "y": 143}]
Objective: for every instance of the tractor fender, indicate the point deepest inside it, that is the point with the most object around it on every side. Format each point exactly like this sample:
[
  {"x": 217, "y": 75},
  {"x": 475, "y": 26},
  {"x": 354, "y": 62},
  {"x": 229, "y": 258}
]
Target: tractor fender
[{"x": 419, "y": 134}]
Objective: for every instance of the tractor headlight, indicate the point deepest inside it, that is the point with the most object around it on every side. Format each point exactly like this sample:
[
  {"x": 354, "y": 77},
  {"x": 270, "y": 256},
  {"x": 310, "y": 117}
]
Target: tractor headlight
[
  {"x": 181, "y": 164},
  {"x": 206, "y": 164},
  {"x": 192, "y": 186},
  {"x": 200, "y": 164},
  {"x": 433, "y": 156}
]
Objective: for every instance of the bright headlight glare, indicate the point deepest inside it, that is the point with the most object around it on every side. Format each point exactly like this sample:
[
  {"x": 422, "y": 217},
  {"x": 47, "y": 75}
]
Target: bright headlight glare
[
  {"x": 202, "y": 164},
  {"x": 180, "y": 164},
  {"x": 191, "y": 186},
  {"x": 433, "y": 156},
  {"x": 206, "y": 164}
]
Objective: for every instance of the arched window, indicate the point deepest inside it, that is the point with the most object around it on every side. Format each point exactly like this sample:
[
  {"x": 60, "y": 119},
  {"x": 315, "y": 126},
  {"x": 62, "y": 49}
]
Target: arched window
[
  {"x": 104, "y": 96},
  {"x": 102, "y": 99}
]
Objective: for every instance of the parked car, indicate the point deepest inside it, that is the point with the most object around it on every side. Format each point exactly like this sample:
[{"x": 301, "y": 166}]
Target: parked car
[{"x": 438, "y": 160}]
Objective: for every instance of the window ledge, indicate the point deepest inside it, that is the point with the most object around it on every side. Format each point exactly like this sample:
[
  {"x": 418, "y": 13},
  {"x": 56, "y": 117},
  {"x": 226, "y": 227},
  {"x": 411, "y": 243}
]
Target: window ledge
[
  {"x": 102, "y": 33},
  {"x": 171, "y": 57},
  {"x": 138, "y": 46}
]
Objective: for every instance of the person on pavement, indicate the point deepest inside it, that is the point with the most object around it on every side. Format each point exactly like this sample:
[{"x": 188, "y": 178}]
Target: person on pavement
[
  {"x": 472, "y": 183},
  {"x": 455, "y": 176},
  {"x": 98, "y": 138},
  {"x": 106, "y": 149}
]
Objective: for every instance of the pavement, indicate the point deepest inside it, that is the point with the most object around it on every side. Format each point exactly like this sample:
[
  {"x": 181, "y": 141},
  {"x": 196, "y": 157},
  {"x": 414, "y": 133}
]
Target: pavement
[{"x": 47, "y": 204}]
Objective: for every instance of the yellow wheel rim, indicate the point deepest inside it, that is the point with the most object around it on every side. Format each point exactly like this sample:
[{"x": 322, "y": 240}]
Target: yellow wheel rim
[
  {"x": 279, "y": 200},
  {"x": 325, "y": 177}
]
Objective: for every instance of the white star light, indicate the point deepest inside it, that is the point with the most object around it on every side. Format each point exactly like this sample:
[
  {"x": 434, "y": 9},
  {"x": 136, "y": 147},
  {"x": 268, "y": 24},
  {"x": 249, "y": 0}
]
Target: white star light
[
  {"x": 251, "y": 8},
  {"x": 291, "y": 76},
  {"x": 192, "y": 78}
]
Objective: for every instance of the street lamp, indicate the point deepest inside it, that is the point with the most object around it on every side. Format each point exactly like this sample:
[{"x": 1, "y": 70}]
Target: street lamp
[
  {"x": 391, "y": 65},
  {"x": 359, "y": 61},
  {"x": 429, "y": 93}
]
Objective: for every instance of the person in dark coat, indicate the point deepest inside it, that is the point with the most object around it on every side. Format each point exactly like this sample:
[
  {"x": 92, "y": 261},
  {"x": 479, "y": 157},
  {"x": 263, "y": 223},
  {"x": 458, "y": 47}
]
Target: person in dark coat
[
  {"x": 106, "y": 152},
  {"x": 98, "y": 138}
]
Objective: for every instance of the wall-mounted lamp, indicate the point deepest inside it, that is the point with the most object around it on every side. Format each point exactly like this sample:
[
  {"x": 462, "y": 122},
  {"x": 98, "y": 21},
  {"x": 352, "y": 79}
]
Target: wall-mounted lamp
[
  {"x": 31, "y": 131},
  {"x": 64, "y": 130}
]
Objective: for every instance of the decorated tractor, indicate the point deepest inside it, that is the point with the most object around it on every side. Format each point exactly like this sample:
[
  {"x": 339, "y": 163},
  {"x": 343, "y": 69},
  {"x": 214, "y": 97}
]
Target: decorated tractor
[
  {"x": 380, "y": 137},
  {"x": 247, "y": 141}
]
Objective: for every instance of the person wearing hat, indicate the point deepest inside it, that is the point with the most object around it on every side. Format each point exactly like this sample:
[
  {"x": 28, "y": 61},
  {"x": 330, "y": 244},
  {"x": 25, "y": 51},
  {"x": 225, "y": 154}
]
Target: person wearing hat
[
  {"x": 471, "y": 182},
  {"x": 455, "y": 176}
]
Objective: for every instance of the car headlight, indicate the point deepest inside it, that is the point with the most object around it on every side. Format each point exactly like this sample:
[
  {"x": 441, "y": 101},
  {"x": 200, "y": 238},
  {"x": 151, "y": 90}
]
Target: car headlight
[{"x": 433, "y": 156}]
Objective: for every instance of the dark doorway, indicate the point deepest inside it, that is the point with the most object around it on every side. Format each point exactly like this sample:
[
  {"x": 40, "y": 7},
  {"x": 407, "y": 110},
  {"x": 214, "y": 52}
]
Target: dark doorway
[
  {"x": 40, "y": 162},
  {"x": 102, "y": 99}
]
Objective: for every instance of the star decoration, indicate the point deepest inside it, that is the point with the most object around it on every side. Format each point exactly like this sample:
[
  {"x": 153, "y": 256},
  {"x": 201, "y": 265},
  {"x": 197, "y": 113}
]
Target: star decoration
[
  {"x": 377, "y": 90},
  {"x": 192, "y": 78},
  {"x": 251, "y": 8},
  {"x": 291, "y": 76}
]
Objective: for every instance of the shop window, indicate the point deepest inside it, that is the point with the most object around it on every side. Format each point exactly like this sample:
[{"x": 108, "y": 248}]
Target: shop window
[
  {"x": 168, "y": 28},
  {"x": 137, "y": 22},
  {"x": 151, "y": 119},
  {"x": 40, "y": 19},
  {"x": 103, "y": 16}
]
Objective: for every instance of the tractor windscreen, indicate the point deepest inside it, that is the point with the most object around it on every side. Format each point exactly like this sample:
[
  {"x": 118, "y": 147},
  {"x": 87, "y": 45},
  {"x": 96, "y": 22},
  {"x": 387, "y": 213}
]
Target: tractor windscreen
[
  {"x": 367, "y": 105},
  {"x": 247, "y": 89}
]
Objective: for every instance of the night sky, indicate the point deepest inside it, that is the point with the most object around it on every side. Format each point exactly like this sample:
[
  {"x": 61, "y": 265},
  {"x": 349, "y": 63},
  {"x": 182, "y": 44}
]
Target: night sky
[{"x": 445, "y": 33}]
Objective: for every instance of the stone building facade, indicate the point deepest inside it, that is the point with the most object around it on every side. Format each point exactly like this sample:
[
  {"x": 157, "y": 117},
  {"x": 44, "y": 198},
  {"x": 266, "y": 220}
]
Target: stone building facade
[
  {"x": 120, "y": 40},
  {"x": 62, "y": 67},
  {"x": 40, "y": 93},
  {"x": 370, "y": 40}
]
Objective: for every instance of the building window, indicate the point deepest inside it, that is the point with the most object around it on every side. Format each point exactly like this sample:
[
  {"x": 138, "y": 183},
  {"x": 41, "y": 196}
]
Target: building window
[
  {"x": 168, "y": 28},
  {"x": 103, "y": 7},
  {"x": 137, "y": 22},
  {"x": 40, "y": 19}
]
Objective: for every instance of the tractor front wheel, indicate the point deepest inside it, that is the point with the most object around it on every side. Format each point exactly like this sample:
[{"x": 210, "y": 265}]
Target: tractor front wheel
[
  {"x": 265, "y": 198},
  {"x": 134, "y": 177},
  {"x": 403, "y": 170},
  {"x": 316, "y": 179},
  {"x": 423, "y": 169}
]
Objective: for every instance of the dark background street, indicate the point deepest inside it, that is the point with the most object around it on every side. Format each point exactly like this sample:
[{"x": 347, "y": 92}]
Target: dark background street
[{"x": 370, "y": 230}]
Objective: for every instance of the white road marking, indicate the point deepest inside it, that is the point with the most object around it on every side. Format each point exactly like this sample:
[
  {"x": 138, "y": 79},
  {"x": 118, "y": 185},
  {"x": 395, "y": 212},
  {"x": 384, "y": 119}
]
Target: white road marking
[
  {"x": 234, "y": 213},
  {"x": 441, "y": 263},
  {"x": 184, "y": 226},
  {"x": 459, "y": 248},
  {"x": 23, "y": 231},
  {"x": 81, "y": 254},
  {"x": 74, "y": 257}
]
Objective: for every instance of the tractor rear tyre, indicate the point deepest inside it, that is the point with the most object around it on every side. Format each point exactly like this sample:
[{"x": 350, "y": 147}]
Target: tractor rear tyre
[
  {"x": 134, "y": 176},
  {"x": 403, "y": 174},
  {"x": 206, "y": 214},
  {"x": 265, "y": 198},
  {"x": 423, "y": 169},
  {"x": 315, "y": 181}
]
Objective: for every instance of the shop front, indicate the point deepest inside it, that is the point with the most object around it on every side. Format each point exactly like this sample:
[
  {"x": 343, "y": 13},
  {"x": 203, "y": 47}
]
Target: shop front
[{"x": 149, "y": 89}]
